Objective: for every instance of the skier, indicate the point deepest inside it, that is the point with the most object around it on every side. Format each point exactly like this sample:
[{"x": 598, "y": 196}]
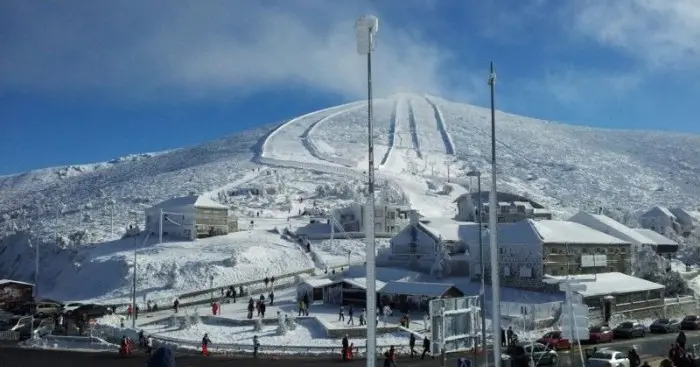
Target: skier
[
  {"x": 391, "y": 359},
  {"x": 205, "y": 344},
  {"x": 176, "y": 304},
  {"x": 149, "y": 345},
  {"x": 351, "y": 320},
  {"x": 256, "y": 346},
  {"x": 262, "y": 309},
  {"x": 345, "y": 344},
  {"x": 272, "y": 281},
  {"x": 412, "y": 345},
  {"x": 426, "y": 347},
  {"x": 341, "y": 314},
  {"x": 271, "y": 296},
  {"x": 681, "y": 339},
  {"x": 214, "y": 308},
  {"x": 251, "y": 307},
  {"x": 266, "y": 281}
]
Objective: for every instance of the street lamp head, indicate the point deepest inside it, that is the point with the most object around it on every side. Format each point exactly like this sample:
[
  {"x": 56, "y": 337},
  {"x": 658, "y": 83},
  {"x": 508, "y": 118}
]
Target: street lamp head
[
  {"x": 473, "y": 174},
  {"x": 366, "y": 27}
]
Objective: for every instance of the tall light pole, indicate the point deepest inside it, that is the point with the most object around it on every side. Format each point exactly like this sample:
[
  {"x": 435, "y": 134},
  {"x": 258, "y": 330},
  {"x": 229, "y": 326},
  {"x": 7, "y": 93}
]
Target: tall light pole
[
  {"x": 133, "y": 286},
  {"x": 493, "y": 228},
  {"x": 366, "y": 27},
  {"x": 482, "y": 294}
]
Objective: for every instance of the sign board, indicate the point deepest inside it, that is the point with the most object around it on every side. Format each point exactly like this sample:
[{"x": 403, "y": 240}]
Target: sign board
[
  {"x": 589, "y": 261},
  {"x": 580, "y": 321},
  {"x": 454, "y": 324}
]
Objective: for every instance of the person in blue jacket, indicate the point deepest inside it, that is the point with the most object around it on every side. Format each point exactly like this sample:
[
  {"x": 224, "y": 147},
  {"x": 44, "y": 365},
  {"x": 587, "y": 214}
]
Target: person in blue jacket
[{"x": 163, "y": 357}]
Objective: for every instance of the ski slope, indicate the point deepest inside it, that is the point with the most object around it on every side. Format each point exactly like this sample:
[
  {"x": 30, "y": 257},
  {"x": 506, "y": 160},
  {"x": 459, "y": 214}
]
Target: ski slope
[{"x": 564, "y": 167}]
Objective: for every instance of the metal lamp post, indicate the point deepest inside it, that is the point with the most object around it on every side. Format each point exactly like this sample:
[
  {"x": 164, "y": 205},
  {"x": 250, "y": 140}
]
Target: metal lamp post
[
  {"x": 366, "y": 27},
  {"x": 493, "y": 228},
  {"x": 133, "y": 290},
  {"x": 477, "y": 174}
]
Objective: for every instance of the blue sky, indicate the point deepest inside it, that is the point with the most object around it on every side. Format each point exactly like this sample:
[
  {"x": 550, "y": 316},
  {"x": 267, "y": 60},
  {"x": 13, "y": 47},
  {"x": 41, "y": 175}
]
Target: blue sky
[{"x": 86, "y": 81}]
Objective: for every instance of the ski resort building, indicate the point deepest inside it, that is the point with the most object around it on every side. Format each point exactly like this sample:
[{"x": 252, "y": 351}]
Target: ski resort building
[
  {"x": 387, "y": 218},
  {"x": 607, "y": 225},
  {"x": 661, "y": 220},
  {"x": 511, "y": 208},
  {"x": 418, "y": 244},
  {"x": 190, "y": 217},
  {"x": 530, "y": 249},
  {"x": 661, "y": 244},
  {"x": 612, "y": 293}
]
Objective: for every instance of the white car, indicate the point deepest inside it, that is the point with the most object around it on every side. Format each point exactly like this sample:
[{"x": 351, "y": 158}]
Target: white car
[
  {"x": 70, "y": 307},
  {"x": 608, "y": 358}
]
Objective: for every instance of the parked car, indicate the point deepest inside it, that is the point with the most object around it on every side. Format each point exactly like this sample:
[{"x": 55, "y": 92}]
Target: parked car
[
  {"x": 600, "y": 334},
  {"x": 690, "y": 322},
  {"x": 665, "y": 326},
  {"x": 539, "y": 353},
  {"x": 555, "y": 340},
  {"x": 24, "y": 325},
  {"x": 46, "y": 309},
  {"x": 608, "y": 358},
  {"x": 629, "y": 330},
  {"x": 69, "y": 308}
]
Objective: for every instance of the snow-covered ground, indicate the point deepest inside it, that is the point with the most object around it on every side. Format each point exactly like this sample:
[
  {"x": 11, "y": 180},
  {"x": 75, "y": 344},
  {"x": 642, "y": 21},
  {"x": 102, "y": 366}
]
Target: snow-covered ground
[
  {"x": 105, "y": 271},
  {"x": 87, "y": 207},
  {"x": 338, "y": 251}
]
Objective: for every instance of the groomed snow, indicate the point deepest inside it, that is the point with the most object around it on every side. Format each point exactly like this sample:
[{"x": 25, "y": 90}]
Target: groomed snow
[
  {"x": 105, "y": 272},
  {"x": 307, "y": 333}
]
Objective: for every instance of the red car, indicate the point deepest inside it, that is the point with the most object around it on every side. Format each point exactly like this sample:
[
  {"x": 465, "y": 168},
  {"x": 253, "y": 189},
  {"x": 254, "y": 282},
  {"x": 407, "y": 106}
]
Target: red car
[
  {"x": 600, "y": 334},
  {"x": 555, "y": 340}
]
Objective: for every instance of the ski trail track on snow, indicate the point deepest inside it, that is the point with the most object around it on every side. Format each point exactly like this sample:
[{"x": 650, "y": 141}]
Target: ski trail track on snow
[
  {"x": 440, "y": 119},
  {"x": 413, "y": 130},
  {"x": 310, "y": 144},
  {"x": 392, "y": 134}
]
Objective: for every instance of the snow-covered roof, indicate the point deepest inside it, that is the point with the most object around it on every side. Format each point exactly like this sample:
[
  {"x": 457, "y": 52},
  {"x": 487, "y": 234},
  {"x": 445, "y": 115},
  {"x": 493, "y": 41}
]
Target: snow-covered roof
[
  {"x": 362, "y": 283},
  {"x": 417, "y": 288},
  {"x": 603, "y": 284},
  {"x": 610, "y": 226},
  {"x": 658, "y": 210},
  {"x": 8, "y": 281},
  {"x": 444, "y": 228},
  {"x": 656, "y": 238},
  {"x": 318, "y": 283},
  {"x": 196, "y": 201},
  {"x": 681, "y": 213},
  {"x": 382, "y": 273},
  {"x": 559, "y": 231}
]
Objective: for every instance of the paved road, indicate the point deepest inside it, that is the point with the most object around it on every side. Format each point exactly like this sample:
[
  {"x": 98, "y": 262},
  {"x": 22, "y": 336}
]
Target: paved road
[{"x": 652, "y": 348}]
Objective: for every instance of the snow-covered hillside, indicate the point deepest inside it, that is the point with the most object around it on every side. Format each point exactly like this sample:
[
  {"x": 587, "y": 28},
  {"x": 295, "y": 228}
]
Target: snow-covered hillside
[{"x": 321, "y": 158}]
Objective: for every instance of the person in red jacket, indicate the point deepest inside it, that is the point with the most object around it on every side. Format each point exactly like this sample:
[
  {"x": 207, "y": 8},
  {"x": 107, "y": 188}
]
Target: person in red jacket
[{"x": 214, "y": 308}]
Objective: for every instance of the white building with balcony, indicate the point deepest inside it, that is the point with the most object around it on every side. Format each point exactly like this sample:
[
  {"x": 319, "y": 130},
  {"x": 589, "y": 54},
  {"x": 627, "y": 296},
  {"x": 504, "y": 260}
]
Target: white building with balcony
[{"x": 387, "y": 218}]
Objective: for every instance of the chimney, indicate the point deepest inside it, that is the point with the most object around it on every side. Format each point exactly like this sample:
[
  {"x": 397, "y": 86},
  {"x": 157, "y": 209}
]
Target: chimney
[{"x": 413, "y": 216}]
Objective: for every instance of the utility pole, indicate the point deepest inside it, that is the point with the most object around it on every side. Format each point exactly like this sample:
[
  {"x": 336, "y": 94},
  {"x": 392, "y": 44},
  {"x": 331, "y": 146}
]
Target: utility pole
[
  {"x": 133, "y": 286},
  {"x": 160, "y": 226},
  {"x": 482, "y": 293},
  {"x": 111, "y": 217},
  {"x": 493, "y": 229},
  {"x": 448, "y": 163}
]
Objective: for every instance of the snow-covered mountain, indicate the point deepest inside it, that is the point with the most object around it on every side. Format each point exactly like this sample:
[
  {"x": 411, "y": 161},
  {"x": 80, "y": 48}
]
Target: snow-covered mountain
[{"x": 322, "y": 156}]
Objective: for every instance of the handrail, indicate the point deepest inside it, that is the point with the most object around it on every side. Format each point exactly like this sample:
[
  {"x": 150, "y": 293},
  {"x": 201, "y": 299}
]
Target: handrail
[{"x": 236, "y": 285}]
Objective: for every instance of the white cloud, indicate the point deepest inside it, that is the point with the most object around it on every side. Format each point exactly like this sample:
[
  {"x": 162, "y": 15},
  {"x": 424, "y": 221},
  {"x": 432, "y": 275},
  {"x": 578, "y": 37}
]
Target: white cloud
[
  {"x": 661, "y": 33},
  {"x": 572, "y": 87},
  {"x": 208, "y": 48}
]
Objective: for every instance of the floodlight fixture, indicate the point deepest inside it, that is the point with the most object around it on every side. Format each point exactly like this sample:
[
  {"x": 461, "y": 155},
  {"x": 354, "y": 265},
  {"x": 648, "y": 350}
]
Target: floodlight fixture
[{"x": 366, "y": 28}]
